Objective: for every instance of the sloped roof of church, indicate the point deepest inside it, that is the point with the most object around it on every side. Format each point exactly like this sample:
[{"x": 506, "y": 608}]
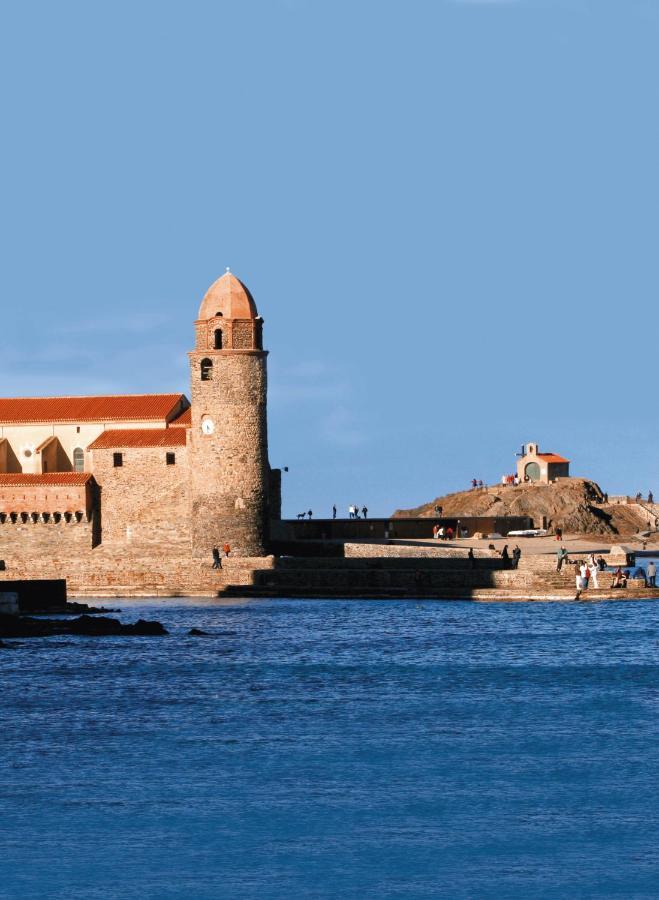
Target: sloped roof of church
[
  {"x": 139, "y": 438},
  {"x": 553, "y": 458},
  {"x": 22, "y": 479},
  {"x": 113, "y": 408},
  {"x": 183, "y": 421},
  {"x": 228, "y": 297}
]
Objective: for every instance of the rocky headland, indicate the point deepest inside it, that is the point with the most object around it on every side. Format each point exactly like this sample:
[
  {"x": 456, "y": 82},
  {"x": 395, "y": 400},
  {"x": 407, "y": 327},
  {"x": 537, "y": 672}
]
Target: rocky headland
[{"x": 576, "y": 505}]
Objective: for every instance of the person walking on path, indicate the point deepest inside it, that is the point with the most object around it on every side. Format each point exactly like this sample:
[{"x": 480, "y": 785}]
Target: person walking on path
[
  {"x": 227, "y": 549},
  {"x": 516, "y": 556},
  {"x": 217, "y": 561},
  {"x": 652, "y": 574},
  {"x": 561, "y": 557},
  {"x": 559, "y": 533},
  {"x": 334, "y": 511},
  {"x": 592, "y": 566}
]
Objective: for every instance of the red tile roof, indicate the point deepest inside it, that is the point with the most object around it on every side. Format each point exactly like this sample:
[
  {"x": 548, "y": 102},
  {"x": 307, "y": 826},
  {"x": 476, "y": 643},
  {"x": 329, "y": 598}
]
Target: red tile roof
[
  {"x": 126, "y": 408},
  {"x": 139, "y": 437},
  {"x": 553, "y": 458},
  {"x": 21, "y": 479},
  {"x": 183, "y": 421}
]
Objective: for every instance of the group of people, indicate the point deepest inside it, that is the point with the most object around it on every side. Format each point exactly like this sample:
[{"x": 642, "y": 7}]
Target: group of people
[
  {"x": 217, "y": 559},
  {"x": 639, "y": 497},
  {"x": 511, "y": 561},
  {"x": 476, "y": 483},
  {"x": 587, "y": 571},
  {"x": 353, "y": 512},
  {"x": 440, "y": 533}
]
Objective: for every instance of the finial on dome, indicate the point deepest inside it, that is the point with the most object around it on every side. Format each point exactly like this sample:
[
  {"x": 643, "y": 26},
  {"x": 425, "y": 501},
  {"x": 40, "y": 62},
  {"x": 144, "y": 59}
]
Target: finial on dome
[{"x": 227, "y": 269}]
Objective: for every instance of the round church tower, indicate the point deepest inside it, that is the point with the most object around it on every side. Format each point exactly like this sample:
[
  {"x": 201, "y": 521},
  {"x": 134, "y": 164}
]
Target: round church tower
[{"x": 228, "y": 439}]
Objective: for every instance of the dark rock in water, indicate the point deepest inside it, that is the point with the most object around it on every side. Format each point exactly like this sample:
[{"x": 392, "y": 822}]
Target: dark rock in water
[
  {"x": 197, "y": 632},
  {"x": 96, "y": 626}
]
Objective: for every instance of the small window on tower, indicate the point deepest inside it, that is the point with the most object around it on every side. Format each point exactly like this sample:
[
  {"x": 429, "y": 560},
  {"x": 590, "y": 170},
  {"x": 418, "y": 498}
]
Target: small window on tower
[
  {"x": 79, "y": 459},
  {"x": 171, "y": 459},
  {"x": 117, "y": 460},
  {"x": 218, "y": 338},
  {"x": 206, "y": 370}
]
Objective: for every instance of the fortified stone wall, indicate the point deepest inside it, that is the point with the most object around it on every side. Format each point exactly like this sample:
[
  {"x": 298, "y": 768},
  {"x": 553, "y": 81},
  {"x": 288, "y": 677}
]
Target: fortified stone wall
[
  {"x": 46, "y": 498},
  {"x": 145, "y": 499},
  {"x": 28, "y": 547}
]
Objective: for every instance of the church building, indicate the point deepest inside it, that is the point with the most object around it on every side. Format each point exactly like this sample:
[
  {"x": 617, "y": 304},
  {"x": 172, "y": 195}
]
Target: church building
[{"x": 150, "y": 470}]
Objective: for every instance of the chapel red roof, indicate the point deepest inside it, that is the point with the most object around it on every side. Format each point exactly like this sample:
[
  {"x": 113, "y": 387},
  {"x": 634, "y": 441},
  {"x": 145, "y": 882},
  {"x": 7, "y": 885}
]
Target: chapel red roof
[
  {"x": 183, "y": 421},
  {"x": 115, "y": 408},
  {"x": 22, "y": 479},
  {"x": 553, "y": 458},
  {"x": 139, "y": 438}
]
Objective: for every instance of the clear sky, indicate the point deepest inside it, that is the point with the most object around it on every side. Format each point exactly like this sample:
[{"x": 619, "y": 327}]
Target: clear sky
[{"x": 446, "y": 211}]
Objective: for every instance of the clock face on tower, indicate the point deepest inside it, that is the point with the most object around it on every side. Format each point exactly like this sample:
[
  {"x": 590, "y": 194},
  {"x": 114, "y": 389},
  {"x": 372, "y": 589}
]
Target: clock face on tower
[{"x": 207, "y": 425}]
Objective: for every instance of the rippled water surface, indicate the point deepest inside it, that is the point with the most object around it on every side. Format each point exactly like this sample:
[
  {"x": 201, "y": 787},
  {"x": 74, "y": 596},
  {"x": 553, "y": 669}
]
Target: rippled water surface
[{"x": 336, "y": 749}]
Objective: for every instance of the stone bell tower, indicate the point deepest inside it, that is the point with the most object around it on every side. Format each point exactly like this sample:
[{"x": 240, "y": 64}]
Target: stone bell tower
[{"x": 228, "y": 439}]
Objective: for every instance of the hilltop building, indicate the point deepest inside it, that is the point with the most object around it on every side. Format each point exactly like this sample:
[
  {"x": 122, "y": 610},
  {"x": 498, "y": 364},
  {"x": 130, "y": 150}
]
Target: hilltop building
[
  {"x": 541, "y": 467},
  {"x": 155, "y": 471}
]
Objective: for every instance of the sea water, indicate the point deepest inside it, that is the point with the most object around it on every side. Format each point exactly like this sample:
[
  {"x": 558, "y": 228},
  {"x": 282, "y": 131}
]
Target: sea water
[{"x": 336, "y": 749}]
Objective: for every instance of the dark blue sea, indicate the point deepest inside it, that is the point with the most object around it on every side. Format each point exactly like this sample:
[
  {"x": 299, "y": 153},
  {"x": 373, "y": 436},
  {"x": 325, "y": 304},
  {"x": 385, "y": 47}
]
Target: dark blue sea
[{"x": 336, "y": 749}]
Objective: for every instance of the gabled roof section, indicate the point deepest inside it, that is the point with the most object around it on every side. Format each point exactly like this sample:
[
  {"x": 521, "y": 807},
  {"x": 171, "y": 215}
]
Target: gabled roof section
[
  {"x": 53, "y": 479},
  {"x": 113, "y": 408},
  {"x": 183, "y": 421},
  {"x": 553, "y": 458},
  {"x": 125, "y": 438}
]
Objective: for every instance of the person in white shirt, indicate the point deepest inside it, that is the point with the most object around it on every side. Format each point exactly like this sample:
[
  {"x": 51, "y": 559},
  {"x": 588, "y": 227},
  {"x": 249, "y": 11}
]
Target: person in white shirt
[
  {"x": 592, "y": 565},
  {"x": 652, "y": 574}
]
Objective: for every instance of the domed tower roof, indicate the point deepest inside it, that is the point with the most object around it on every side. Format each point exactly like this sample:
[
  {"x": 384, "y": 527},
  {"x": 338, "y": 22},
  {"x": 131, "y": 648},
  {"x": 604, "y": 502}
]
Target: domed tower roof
[{"x": 228, "y": 297}]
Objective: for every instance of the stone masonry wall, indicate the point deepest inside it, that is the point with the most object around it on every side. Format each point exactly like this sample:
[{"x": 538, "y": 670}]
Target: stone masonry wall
[
  {"x": 144, "y": 500},
  {"x": 32, "y": 545},
  {"x": 229, "y": 468}
]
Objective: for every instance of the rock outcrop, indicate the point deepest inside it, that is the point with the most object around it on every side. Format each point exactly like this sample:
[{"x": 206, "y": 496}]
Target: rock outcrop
[
  {"x": 96, "y": 626},
  {"x": 574, "y": 504}
]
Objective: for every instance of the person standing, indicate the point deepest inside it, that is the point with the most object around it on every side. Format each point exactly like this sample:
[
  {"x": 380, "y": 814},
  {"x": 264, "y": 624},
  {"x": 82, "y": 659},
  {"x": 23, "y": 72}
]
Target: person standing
[
  {"x": 561, "y": 557},
  {"x": 517, "y": 553},
  {"x": 585, "y": 574},
  {"x": 334, "y": 511},
  {"x": 310, "y": 513},
  {"x": 652, "y": 574},
  {"x": 365, "y": 512},
  {"x": 559, "y": 533},
  {"x": 505, "y": 557},
  {"x": 592, "y": 566},
  {"x": 227, "y": 549},
  {"x": 471, "y": 558},
  {"x": 217, "y": 561}
]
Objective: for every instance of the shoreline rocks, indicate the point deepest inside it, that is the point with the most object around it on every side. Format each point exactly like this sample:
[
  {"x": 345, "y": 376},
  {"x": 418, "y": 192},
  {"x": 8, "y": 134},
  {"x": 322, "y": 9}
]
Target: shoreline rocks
[{"x": 85, "y": 625}]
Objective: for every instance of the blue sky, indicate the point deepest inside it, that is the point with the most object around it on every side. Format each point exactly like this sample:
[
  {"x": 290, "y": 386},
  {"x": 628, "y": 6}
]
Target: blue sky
[{"x": 446, "y": 211}]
